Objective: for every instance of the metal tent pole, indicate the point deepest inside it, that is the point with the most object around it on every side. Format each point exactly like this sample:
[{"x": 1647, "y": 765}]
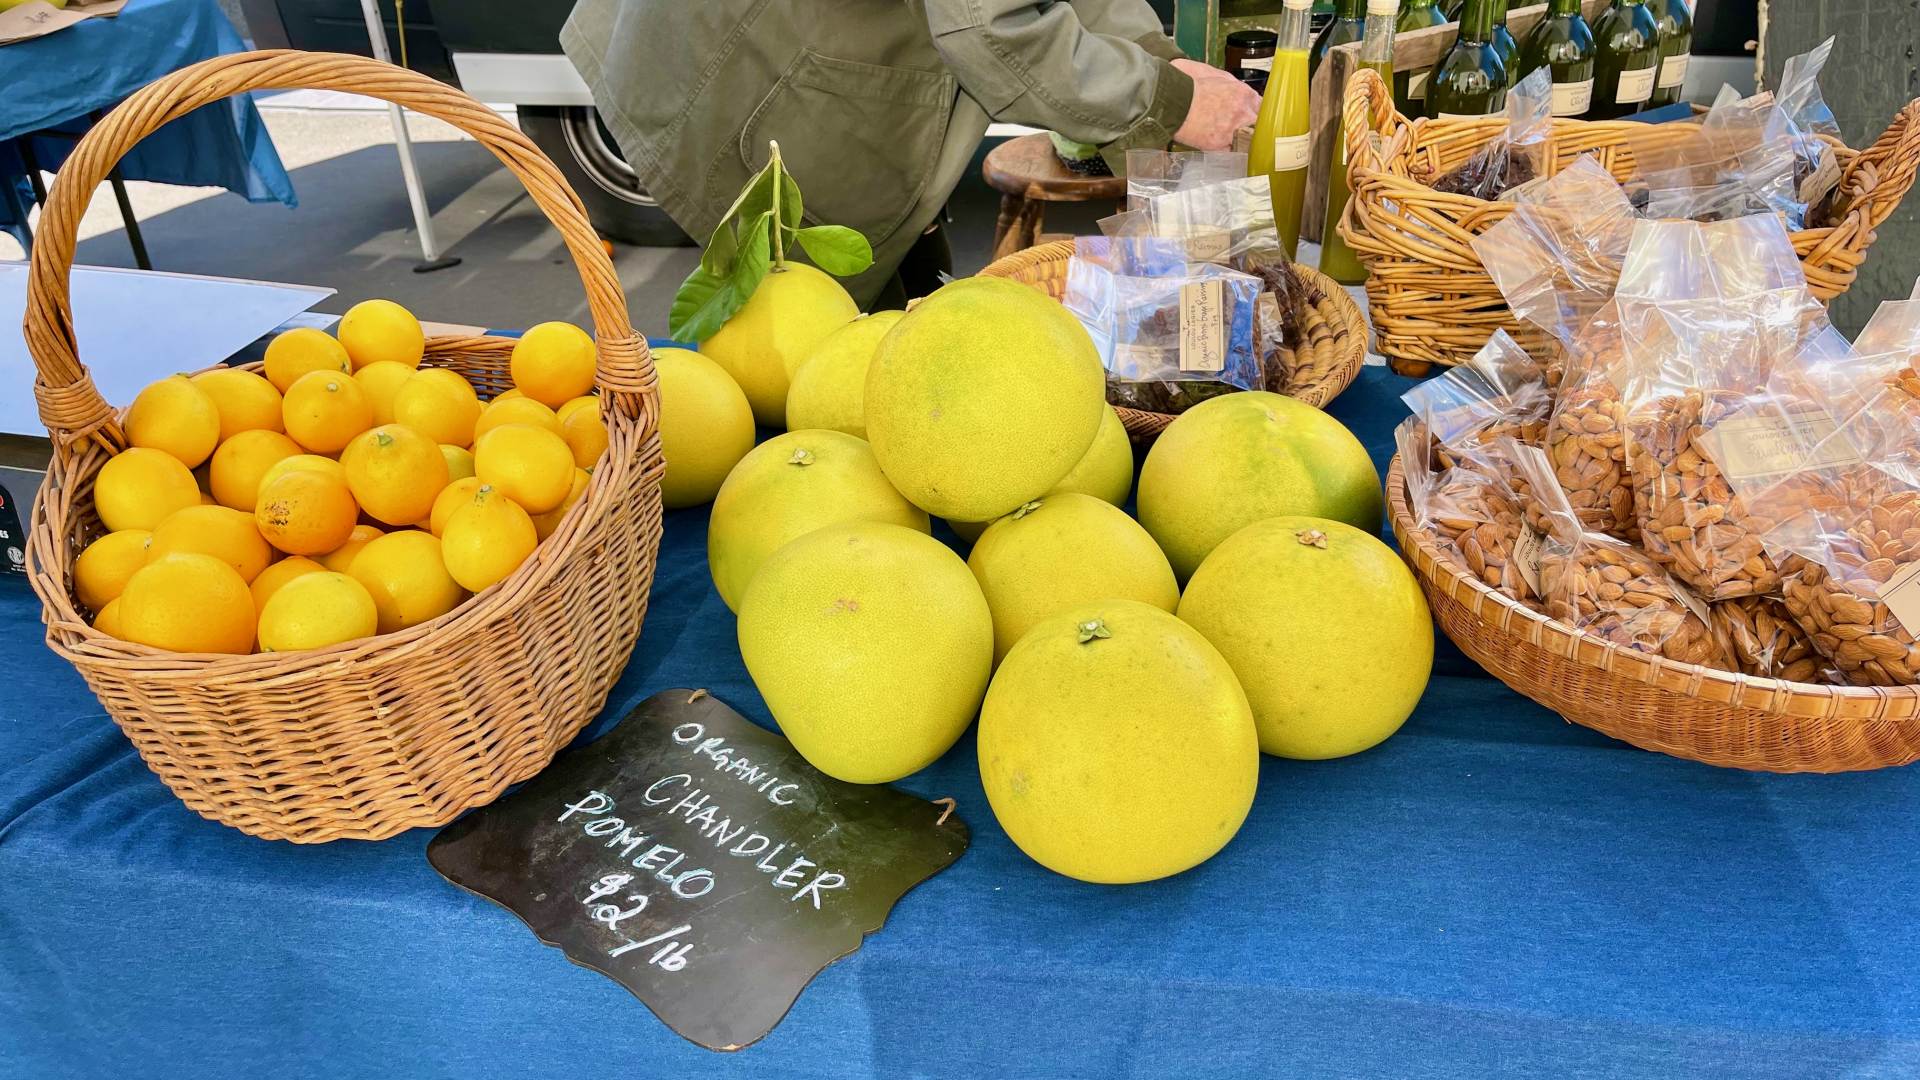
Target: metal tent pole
[{"x": 410, "y": 173}]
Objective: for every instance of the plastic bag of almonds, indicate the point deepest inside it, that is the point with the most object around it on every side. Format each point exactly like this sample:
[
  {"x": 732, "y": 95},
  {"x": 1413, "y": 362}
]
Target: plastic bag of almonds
[
  {"x": 1472, "y": 510},
  {"x": 1500, "y": 392},
  {"x": 1764, "y": 639},
  {"x": 1586, "y": 435}
]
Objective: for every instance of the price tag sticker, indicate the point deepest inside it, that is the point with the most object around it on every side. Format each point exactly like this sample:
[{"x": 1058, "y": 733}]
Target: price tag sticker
[
  {"x": 1203, "y": 328},
  {"x": 1759, "y": 443},
  {"x": 1526, "y": 557},
  {"x": 1824, "y": 178},
  {"x": 1901, "y": 594}
]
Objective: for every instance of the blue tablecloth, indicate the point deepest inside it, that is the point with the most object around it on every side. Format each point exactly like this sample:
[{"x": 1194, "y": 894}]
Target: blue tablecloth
[
  {"x": 1491, "y": 893},
  {"x": 58, "y": 80}
]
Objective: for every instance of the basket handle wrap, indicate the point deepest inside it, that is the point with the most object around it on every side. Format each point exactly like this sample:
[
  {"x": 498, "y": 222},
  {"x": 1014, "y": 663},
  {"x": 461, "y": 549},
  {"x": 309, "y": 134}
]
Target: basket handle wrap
[
  {"x": 1367, "y": 108},
  {"x": 1893, "y": 157},
  {"x": 70, "y": 404}
]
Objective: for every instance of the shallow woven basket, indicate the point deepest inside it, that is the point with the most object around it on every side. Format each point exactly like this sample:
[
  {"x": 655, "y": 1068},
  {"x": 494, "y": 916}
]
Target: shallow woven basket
[
  {"x": 368, "y": 738},
  {"x": 1431, "y": 298},
  {"x": 1687, "y": 710},
  {"x": 1331, "y": 324}
]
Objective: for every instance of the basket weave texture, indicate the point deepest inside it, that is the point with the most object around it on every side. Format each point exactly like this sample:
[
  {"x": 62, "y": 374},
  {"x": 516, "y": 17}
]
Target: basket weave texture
[
  {"x": 371, "y": 737},
  {"x": 1687, "y": 710},
  {"x": 1332, "y": 328},
  {"x": 1431, "y": 299}
]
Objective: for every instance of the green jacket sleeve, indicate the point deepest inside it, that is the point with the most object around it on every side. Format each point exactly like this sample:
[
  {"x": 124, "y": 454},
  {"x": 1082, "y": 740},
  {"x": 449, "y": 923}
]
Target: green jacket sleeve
[{"x": 1096, "y": 71}]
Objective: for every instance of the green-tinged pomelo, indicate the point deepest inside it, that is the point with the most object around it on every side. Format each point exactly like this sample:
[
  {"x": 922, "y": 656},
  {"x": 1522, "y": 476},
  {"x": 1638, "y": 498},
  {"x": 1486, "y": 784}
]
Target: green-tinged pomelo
[
  {"x": 1236, "y": 459},
  {"x": 787, "y": 487},
  {"x": 1105, "y": 472},
  {"x": 1326, "y": 628},
  {"x": 791, "y": 311},
  {"x": 982, "y": 398},
  {"x": 706, "y": 426},
  {"x": 830, "y": 383},
  {"x": 1116, "y": 745},
  {"x": 1061, "y": 551},
  {"x": 871, "y": 645}
]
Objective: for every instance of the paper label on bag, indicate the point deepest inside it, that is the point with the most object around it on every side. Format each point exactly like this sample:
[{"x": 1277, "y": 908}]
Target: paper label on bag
[
  {"x": 1203, "y": 329},
  {"x": 1758, "y": 444},
  {"x": 1417, "y": 85},
  {"x": 1572, "y": 98},
  {"x": 1290, "y": 152},
  {"x": 1673, "y": 70},
  {"x": 1824, "y": 178},
  {"x": 1635, "y": 87},
  {"x": 1256, "y": 63},
  {"x": 1526, "y": 557},
  {"x": 1901, "y": 594}
]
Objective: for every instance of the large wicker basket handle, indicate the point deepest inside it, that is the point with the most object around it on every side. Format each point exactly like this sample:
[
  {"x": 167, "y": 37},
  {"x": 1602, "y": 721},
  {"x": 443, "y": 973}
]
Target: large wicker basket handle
[
  {"x": 1366, "y": 109},
  {"x": 71, "y": 405},
  {"x": 1892, "y": 159}
]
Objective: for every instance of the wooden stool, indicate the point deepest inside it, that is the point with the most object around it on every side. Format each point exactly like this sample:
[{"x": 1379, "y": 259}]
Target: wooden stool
[{"x": 1028, "y": 175}]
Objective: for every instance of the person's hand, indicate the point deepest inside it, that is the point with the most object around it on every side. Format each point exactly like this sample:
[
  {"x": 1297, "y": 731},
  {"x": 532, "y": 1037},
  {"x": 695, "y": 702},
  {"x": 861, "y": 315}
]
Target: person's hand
[{"x": 1221, "y": 106}]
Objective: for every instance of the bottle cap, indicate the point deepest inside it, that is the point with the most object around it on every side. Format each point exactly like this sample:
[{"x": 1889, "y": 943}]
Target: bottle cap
[
  {"x": 1299, "y": 5},
  {"x": 1383, "y": 7}
]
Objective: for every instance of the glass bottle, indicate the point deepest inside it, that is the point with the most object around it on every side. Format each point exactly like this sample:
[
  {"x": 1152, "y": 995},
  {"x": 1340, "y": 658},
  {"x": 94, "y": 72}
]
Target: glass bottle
[
  {"x": 1337, "y": 260},
  {"x": 1503, "y": 42},
  {"x": 1451, "y": 9},
  {"x": 1676, "y": 49},
  {"x": 1469, "y": 80},
  {"x": 1565, "y": 42},
  {"x": 1250, "y": 50},
  {"x": 1410, "y": 87},
  {"x": 1281, "y": 132},
  {"x": 1626, "y": 59},
  {"x": 1349, "y": 19}
]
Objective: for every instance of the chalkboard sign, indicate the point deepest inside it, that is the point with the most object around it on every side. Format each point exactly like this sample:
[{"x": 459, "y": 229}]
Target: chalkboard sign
[{"x": 698, "y": 860}]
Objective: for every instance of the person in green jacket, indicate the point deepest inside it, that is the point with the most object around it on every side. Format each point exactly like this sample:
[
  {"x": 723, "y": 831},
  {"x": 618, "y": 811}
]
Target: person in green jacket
[{"x": 879, "y": 105}]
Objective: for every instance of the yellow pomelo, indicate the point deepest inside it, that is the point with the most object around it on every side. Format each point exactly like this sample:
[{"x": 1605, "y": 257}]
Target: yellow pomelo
[
  {"x": 242, "y": 462},
  {"x": 1106, "y": 473},
  {"x": 1060, "y": 551},
  {"x": 138, "y": 487},
  {"x": 379, "y": 331},
  {"x": 553, "y": 362},
  {"x": 394, "y": 472},
  {"x": 871, "y": 645},
  {"x": 706, "y": 426},
  {"x": 1116, "y": 746},
  {"x": 529, "y": 465},
  {"x": 787, "y": 487},
  {"x": 246, "y": 401},
  {"x": 187, "y": 602},
  {"x": 519, "y": 410},
  {"x": 1236, "y": 459},
  {"x": 270, "y": 579},
  {"x": 324, "y": 411},
  {"x": 340, "y": 559},
  {"x": 314, "y": 611},
  {"x": 486, "y": 539},
  {"x": 982, "y": 398},
  {"x": 459, "y": 461},
  {"x": 791, "y": 311},
  {"x": 176, "y": 416},
  {"x": 407, "y": 577},
  {"x": 303, "y": 350},
  {"x": 451, "y": 498},
  {"x": 1326, "y": 627},
  {"x": 104, "y": 566},
  {"x": 222, "y": 532},
  {"x": 382, "y": 382},
  {"x": 830, "y": 383}
]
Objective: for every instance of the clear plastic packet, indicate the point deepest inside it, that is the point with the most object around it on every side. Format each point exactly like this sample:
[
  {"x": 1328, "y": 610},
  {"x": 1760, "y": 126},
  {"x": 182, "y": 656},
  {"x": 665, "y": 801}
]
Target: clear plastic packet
[
  {"x": 1499, "y": 392},
  {"x": 1763, "y": 638},
  {"x": 1154, "y": 173},
  {"x": 1556, "y": 258},
  {"x": 1816, "y": 166},
  {"x": 1517, "y": 155},
  {"x": 1475, "y": 514},
  {"x": 1586, "y": 434}
]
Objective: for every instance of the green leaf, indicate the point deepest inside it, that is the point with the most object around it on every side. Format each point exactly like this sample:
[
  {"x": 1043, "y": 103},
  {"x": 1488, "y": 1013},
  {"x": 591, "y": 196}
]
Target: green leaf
[
  {"x": 704, "y": 302},
  {"x": 790, "y": 205},
  {"x": 838, "y": 250},
  {"x": 754, "y": 258},
  {"x": 721, "y": 247},
  {"x": 759, "y": 190}
]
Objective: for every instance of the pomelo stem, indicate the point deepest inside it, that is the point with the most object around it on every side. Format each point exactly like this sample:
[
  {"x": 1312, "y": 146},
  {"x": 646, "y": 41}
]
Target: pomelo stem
[{"x": 779, "y": 244}]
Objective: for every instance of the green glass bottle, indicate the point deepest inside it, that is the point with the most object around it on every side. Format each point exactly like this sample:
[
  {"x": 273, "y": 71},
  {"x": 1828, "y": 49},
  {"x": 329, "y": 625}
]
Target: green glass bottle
[
  {"x": 1469, "y": 79},
  {"x": 1503, "y": 42},
  {"x": 1349, "y": 22},
  {"x": 1626, "y": 59},
  {"x": 1451, "y": 9},
  {"x": 1337, "y": 260},
  {"x": 1410, "y": 87},
  {"x": 1676, "y": 49},
  {"x": 1564, "y": 41}
]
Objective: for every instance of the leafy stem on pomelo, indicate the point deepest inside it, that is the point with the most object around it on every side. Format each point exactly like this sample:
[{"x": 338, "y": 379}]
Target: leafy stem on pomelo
[
  {"x": 1093, "y": 629},
  {"x": 801, "y": 457},
  {"x": 1313, "y": 538},
  {"x": 752, "y": 240},
  {"x": 1025, "y": 509}
]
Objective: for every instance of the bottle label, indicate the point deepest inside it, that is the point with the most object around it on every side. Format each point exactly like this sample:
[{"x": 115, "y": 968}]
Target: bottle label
[
  {"x": 1461, "y": 116},
  {"x": 1572, "y": 98},
  {"x": 1417, "y": 85},
  {"x": 1290, "y": 152},
  {"x": 1256, "y": 63},
  {"x": 1635, "y": 87},
  {"x": 1673, "y": 70}
]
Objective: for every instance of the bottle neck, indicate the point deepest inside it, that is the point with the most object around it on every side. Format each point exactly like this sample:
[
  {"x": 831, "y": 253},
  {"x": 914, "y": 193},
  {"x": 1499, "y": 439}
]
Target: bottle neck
[
  {"x": 1499, "y": 12},
  {"x": 1476, "y": 21},
  {"x": 1296, "y": 28},
  {"x": 1351, "y": 9},
  {"x": 1376, "y": 40},
  {"x": 1563, "y": 7}
]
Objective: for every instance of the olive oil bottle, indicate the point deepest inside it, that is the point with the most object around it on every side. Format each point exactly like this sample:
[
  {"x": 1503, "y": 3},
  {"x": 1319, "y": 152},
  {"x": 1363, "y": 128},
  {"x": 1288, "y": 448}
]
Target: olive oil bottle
[
  {"x": 1410, "y": 87},
  {"x": 1676, "y": 49},
  {"x": 1564, "y": 42},
  {"x": 1349, "y": 21},
  {"x": 1626, "y": 60},
  {"x": 1337, "y": 260},
  {"x": 1280, "y": 133},
  {"x": 1469, "y": 80}
]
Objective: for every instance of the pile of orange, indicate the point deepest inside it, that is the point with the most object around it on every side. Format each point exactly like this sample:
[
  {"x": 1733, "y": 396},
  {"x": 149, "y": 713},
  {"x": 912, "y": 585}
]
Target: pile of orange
[{"x": 349, "y": 492}]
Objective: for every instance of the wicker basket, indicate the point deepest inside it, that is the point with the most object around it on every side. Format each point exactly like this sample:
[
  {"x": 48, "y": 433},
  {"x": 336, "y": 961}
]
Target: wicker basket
[
  {"x": 1432, "y": 301},
  {"x": 368, "y": 738},
  {"x": 1334, "y": 329},
  {"x": 1689, "y": 711}
]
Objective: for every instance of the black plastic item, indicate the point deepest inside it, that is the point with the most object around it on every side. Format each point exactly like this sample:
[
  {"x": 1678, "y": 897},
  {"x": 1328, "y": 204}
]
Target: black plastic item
[
  {"x": 340, "y": 26},
  {"x": 532, "y": 26},
  {"x": 616, "y": 201}
]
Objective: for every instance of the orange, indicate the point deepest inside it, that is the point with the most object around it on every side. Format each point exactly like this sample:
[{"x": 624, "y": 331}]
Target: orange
[
  {"x": 451, "y": 498},
  {"x": 139, "y": 487},
  {"x": 314, "y": 611},
  {"x": 308, "y": 462},
  {"x": 440, "y": 404},
  {"x": 219, "y": 531},
  {"x": 508, "y": 395},
  {"x": 306, "y": 512},
  {"x": 279, "y": 574},
  {"x": 303, "y": 350},
  {"x": 486, "y": 539},
  {"x": 544, "y": 524},
  {"x": 585, "y": 401},
  {"x": 520, "y": 410},
  {"x": 529, "y": 465},
  {"x": 382, "y": 383},
  {"x": 246, "y": 402},
  {"x": 553, "y": 362},
  {"x": 104, "y": 566},
  {"x": 176, "y": 416},
  {"x": 187, "y": 602},
  {"x": 325, "y": 411},
  {"x": 586, "y": 435},
  {"x": 394, "y": 473},
  {"x": 408, "y": 580},
  {"x": 459, "y": 461},
  {"x": 108, "y": 621},
  {"x": 341, "y": 558},
  {"x": 377, "y": 331},
  {"x": 243, "y": 461}
]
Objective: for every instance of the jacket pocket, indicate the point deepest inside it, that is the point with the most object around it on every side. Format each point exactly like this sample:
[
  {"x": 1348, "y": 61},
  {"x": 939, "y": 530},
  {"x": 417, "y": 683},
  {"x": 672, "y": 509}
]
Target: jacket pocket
[{"x": 861, "y": 139}]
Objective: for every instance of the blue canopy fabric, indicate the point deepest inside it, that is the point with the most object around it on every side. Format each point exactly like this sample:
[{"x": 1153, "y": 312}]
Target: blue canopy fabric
[
  {"x": 60, "y": 80},
  {"x": 1492, "y": 892}
]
